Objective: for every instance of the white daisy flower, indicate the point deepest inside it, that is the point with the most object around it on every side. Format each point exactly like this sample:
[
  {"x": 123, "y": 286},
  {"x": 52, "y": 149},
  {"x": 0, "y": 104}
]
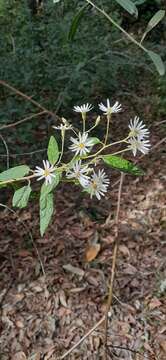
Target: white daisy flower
[
  {"x": 108, "y": 109},
  {"x": 138, "y": 129},
  {"x": 64, "y": 126},
  {"x": 83, "y": 108},
  {"x": 138, "y": 144},
  {"x": 78, "y": 172},
  {"x": 45, "y": 173},
  {"x": 82, "y": 145},
  {"x": 98, "y": 184}
]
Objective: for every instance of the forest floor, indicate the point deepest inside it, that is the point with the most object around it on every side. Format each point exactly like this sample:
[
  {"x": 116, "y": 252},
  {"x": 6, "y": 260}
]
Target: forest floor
[{"x": 51, "y": 294}]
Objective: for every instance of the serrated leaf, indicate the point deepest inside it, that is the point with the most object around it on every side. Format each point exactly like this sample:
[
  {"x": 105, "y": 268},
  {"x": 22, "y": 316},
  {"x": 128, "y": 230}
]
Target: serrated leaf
[
  {"x": 53, "y": 151},
  {"x": 94, "y": 140},
  {"x": 75, "y": 22},
  {"x": 157, "y": 61},
  {"x": 158, "y": 16},
  {"x": 129, "y": 6},
  {"x": 122, "y": 164},
  {"x": 21, "y": 196},
  {"x": 14, "y": 173},
  {"x": 46, "y": 211}
]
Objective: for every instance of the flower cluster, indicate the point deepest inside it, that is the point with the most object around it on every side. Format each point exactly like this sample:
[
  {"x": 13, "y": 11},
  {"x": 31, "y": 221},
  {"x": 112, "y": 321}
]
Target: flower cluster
[
  {"x": 81, "y": 169},
  {"x": 138, "y": 133},
  {"x": 96, "y": 184}
]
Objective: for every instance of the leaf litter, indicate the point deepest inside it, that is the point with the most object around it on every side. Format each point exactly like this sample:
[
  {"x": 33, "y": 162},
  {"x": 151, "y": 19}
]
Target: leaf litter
[{"x": 43, "y": 316}]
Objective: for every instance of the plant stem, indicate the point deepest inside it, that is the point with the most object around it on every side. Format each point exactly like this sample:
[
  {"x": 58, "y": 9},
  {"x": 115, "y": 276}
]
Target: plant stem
[
  {"x": 19, "y": 179},
  {"x": 107, "y": 130},
  {"x": 117, "y": 26},
  {"x": 107, "y": 146},
  {"x": 84, "y": 120},
  {"x": 62, "y": 148}
]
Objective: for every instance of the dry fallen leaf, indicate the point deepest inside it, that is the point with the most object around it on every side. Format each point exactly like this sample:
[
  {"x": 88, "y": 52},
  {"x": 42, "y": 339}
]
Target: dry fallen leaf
[
  {"x": 92, "y": 252},
  {"x": 163, "y": 345},
  {"x": 24, "y": 253},
  {"x": 148, "y": 347},
  {"x": 154, "y": 303},
  {"x": 62, "y": 298},
  {"x": 124, "y": 250},
  {"x": 73, "y": 269},
  {"x": 19, "y": 356}
]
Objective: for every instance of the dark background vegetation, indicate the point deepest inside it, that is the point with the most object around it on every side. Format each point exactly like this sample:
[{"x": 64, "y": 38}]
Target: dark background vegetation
[
  {"x": 38, "y": 58},
  {"x": 40, "y": 314}
]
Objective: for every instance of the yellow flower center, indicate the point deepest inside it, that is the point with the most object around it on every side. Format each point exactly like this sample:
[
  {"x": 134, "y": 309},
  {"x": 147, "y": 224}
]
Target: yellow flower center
[
  {"x": 46, "y": 172},
  {"x": 94, "y": 185},
  {"x": 134, "y": 133},
  {"x": 81, "y": 145},
  {"x": 77, "y": 174}
]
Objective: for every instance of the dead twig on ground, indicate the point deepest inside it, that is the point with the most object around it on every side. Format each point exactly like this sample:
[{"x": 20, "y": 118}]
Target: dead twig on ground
[
  {"x": 115, "y": 252},
  {"x": 105, "y": 317},
  {"x": 83, "y": 338}
]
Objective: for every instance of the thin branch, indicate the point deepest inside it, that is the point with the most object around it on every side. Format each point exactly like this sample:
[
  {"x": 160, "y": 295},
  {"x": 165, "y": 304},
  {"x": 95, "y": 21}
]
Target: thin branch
[
  {"x": 7, "y": 151},
  {"x": 26, "y": 153},
  {"x": 117, "y": 25},
  {"x": 22, "y": 120},
  {"x": 83, "y": 338},
  {"x": 115, "y": 252},
  {"x": 27, "y": 97},
  {"x": 30, "y": 236},
  {"x": 128, "y": 349}
]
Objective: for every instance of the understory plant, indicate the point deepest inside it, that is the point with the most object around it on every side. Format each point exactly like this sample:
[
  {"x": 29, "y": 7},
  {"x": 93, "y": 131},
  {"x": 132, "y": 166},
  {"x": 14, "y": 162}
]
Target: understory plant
[{"x": 89, "y": 156}]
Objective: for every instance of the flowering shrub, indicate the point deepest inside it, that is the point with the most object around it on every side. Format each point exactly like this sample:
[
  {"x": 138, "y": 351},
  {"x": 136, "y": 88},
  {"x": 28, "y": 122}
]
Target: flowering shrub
[{"x": 82, "y": 169}]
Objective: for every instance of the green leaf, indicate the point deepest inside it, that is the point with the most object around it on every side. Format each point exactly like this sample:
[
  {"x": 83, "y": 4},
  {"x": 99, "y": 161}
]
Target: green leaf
[
  {"x": 46, "y": 203},
  {"x": 53, "y": 151},
  {"x": 139, "y": 2},
  {"x": 122, "y": 164},
  {"x": 129, "y": 6},
  {"x": 46, "y": 189},
  {"x": 94, "y": 140},
  {"x": 75, "y": 22},
  {"x": 157, "y": 61},
  {"x": 2, "y": 185},
  {"x": 158, "y": 16},
  {"x": 14, "y": 173},
  {"x": 46, "y": 211},
  {"x": 21, "y": 196}
]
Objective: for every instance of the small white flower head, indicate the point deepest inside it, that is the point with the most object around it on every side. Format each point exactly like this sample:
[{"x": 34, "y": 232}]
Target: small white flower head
[
  {"x": 78, "y": 172},
  {"x": 98, "y": 184},
  {"x": 82, "y": 145},
  {"x": 83, "y": 109},
  {"x": 108, "y": 109},
  {"x": 140, "y": 145},
  {"x": 46, "y": 173},
  {"x": 138, "y": 129},
  {"x": 63, "y": 126}
]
